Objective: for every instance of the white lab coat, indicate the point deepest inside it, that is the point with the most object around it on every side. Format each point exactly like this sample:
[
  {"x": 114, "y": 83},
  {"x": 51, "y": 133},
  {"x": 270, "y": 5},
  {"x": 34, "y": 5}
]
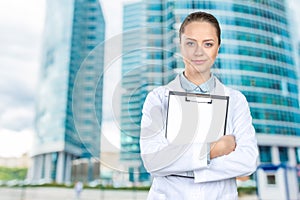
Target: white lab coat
[{"x": 215, "y": 180}]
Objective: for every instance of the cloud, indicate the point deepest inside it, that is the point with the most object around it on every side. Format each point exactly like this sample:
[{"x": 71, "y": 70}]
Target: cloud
[
  {"x": 112, "y": 11},
  {"x": 16, "y": 82},
  {"x": 113, "y": 61},
  {"x": 12, "y": 142},
  {"x": 292, "y": 6},
  {"x": 20, "y": 42},
  {"x": 27, "y": 14},
  {"x": 17, "y": 119}
]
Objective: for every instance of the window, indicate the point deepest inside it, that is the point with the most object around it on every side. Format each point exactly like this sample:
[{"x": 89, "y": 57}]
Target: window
[
  {"x": 53, "y": 166},
  {"x": 265, "y": 154},
  {"x": 87, "y": 122},
  {"x": 154, "y": 18},
  {"x": 271, "y": 179},
  {"x": 155, "y": 7},
  {"x": 297, "y": 155},
  {"x": 283, "y": 154},
  {"x": 91, "y": 28}
]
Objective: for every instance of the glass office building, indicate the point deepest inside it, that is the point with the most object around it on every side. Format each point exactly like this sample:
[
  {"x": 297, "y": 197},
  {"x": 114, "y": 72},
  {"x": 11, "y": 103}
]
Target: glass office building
[
  {"x": 256, "y": 57},
  {"x": 69, "y": 105},
  {"x": 148, "y": 61}
]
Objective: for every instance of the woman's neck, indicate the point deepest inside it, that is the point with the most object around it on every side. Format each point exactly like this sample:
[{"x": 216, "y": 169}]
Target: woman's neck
[{"x": 197, "y": 78}]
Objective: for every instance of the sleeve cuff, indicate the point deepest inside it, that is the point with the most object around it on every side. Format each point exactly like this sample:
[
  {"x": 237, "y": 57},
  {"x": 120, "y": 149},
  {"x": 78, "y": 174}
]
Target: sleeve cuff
[
  {"x": 208, "y": 153},
  {"x": 203, "y": 154}
]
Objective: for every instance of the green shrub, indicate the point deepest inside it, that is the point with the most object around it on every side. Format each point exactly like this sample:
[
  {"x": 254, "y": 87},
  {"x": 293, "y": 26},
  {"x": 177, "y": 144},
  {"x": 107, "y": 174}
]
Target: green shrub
[
  {"x": 12, "y": 173},
  {"x": 246, "y": 190}
]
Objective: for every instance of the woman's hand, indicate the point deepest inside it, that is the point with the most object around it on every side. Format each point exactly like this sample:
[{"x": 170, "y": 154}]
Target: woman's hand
[{"x": 225, "y": 145}]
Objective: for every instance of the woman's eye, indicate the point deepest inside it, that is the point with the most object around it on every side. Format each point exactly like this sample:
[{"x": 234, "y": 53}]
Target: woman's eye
[
  {"x": 191, "y": 44},
  {"x": 208, "y": 44}
]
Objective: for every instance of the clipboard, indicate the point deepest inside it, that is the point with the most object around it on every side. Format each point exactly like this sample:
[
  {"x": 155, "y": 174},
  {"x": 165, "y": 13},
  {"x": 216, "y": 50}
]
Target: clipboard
[{"x": 195, "y": 118}]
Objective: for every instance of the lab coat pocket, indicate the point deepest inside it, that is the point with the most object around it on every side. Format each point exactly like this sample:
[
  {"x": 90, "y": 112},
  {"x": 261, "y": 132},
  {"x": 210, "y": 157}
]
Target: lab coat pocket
[{"x": 154, "y": 195}]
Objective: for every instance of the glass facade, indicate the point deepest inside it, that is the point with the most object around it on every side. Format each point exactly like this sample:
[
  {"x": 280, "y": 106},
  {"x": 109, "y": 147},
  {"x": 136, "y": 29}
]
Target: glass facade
[
  {"x": 256, "y": 57},
  {"x": 148, "y": 61},
  {"x": 84, "y": 104},
  {"x": 69, "y": 108},
  {"x": 131, "y": 81},
  {"x": 283, "y": 154},
  {"x": 265, "y": 154}
]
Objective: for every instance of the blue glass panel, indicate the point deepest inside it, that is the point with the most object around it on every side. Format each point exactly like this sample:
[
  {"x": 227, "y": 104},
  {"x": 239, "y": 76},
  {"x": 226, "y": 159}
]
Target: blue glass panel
[{"x": 265, "y": 154}]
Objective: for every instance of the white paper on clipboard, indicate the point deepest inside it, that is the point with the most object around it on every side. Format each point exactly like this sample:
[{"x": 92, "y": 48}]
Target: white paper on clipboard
[{"x": 197, "y": 118}]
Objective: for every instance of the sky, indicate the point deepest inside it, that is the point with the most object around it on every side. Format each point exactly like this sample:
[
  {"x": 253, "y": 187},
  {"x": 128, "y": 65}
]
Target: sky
[{"x": 22, "y": 23}]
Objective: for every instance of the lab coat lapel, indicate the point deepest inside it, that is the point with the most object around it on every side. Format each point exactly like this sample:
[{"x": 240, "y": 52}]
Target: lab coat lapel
[
  {"x": 175, "y": 85},
  {"x": 220, "y": 88}
]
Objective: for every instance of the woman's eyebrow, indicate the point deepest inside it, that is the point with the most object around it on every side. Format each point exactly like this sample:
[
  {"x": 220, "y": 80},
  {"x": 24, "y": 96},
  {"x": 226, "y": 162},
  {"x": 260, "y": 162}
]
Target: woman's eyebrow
[
  {"x": 190, "y": 39},
  {"x": 208, "y": 40}
]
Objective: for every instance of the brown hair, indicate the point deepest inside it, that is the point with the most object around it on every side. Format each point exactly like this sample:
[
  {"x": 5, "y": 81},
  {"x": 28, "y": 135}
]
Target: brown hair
[{"x": 201, "y": 17}]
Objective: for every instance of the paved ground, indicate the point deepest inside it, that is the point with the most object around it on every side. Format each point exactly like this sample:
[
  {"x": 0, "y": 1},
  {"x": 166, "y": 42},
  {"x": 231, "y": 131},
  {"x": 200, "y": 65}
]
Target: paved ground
[{"x": 68, "y": 194}]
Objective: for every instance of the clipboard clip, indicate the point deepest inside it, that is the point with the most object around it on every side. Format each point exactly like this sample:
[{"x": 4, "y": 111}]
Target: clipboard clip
[{"x": 196, "y": 99}]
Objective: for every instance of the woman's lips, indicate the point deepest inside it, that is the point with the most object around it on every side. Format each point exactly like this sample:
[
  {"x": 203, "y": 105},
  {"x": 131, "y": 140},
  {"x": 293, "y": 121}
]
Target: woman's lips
[{"x": 198, "y": 62}]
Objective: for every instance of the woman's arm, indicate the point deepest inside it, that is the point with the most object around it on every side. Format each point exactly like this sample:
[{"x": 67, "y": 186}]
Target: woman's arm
[
  {"x": 243, "y": 160},
  {"x": 224, "y": 146}
]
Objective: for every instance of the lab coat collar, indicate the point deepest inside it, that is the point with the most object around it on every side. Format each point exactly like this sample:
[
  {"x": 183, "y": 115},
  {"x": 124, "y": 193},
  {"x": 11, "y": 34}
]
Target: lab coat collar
[
  {"x": 206, "y": 87},
  {"x": 176, "y": 86}
]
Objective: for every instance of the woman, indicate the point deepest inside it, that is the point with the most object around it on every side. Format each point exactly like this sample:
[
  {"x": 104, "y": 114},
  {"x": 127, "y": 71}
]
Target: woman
[{"x": 197, "y": 171}]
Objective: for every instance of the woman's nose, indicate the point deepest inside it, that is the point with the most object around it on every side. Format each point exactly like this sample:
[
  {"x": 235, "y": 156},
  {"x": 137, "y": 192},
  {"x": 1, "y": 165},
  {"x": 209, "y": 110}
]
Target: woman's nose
[{"x": 199, "y": 50}]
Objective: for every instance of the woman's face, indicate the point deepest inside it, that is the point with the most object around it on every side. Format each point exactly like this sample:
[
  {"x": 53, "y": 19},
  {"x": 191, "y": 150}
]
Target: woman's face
[{"x": 199, "y": 47}]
